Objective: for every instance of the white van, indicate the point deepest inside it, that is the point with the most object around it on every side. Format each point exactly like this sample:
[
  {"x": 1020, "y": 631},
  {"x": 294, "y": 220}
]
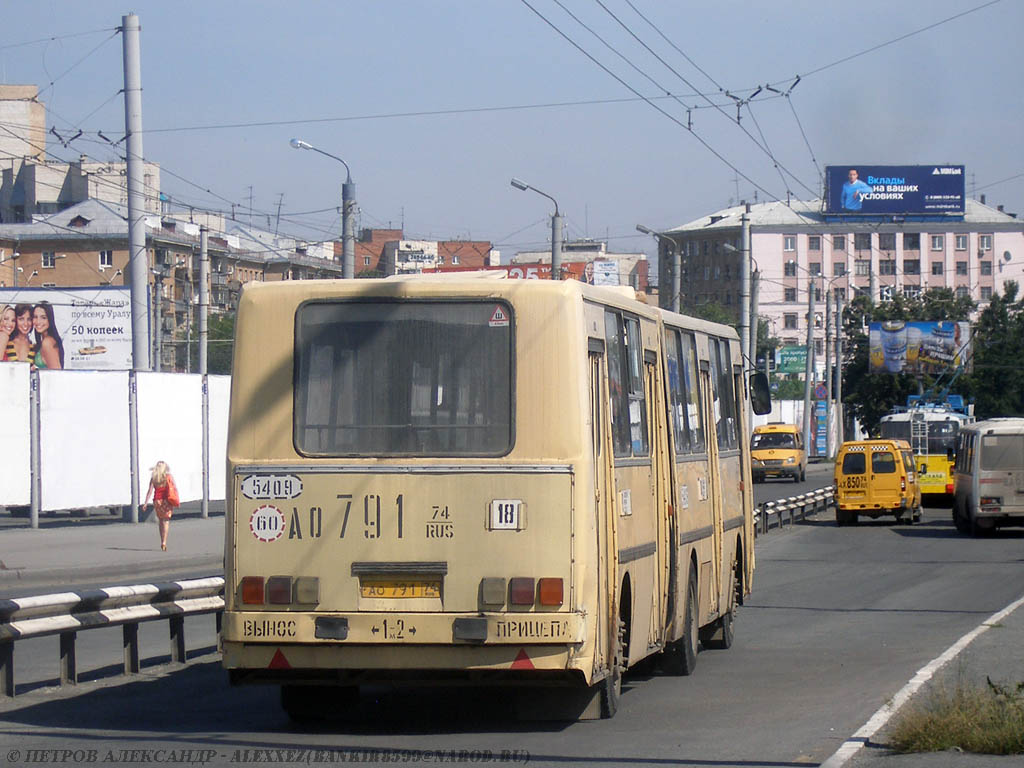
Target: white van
[{"x": 989, "y": 476}]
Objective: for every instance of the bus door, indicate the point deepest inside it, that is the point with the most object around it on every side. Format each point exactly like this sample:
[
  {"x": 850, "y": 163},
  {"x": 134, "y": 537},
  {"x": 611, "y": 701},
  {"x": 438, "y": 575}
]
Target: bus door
[
  {"x": 661, "y": 458},
  {"x": 709, "y": 571},
  {"x": 604, "y": 497}
]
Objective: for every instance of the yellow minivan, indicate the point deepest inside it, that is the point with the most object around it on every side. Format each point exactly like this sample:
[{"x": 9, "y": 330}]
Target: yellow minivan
[
  {"x": 777, "y": 450},
  {"x": 875, "y": 478}
]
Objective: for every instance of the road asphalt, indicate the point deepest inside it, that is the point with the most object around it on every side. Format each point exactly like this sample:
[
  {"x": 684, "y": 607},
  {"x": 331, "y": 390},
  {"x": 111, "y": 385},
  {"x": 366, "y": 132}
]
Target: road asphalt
[{"x": 91, "y": 555}]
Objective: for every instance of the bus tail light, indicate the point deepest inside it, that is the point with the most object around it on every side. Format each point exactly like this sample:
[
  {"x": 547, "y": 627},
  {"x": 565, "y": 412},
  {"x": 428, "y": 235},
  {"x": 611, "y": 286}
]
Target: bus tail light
[
  {"x": 991, "y": 501},
  {"x": 279, "y": 590},
  {"x": 550, "y": 591},
  {"x": 903, "y": 483},
  {"x": 252, "y": 590},
  {"x": 307, "y": 590},
  {"x": 520, "y": 591},
  {"x": 492, "y": 590},
  {"x": 949, "y": 488}
]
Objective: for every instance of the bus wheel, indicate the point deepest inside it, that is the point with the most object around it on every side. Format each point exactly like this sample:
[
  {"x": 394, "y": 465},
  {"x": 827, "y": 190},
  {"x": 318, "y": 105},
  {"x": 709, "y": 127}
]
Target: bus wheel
[
  {"x": 611, "y": 686},
  {"x": 959, "y": 522},
  {"x": 721, "y": 633},
  {"x": 313, "y": 703},
  {"x": 680, "y": 656}
]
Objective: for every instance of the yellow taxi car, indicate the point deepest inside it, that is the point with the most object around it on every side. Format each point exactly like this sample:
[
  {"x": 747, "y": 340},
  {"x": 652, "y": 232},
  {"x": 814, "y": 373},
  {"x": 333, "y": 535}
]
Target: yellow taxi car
[
  {"x": 875, "y": 478},
  {"x": 777, "y": 450}
]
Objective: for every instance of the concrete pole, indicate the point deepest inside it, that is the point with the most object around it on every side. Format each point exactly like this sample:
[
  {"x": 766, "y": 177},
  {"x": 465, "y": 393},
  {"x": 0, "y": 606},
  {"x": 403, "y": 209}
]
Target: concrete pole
[
  {"x": 809, "y": 368},
  {"x": 204, "y": 336},
  {"x": 745, "y": 288},
  {"x": 348, "y": 229},
  {"x": 138, "y": 262},
  {"x": 840, "y": 422},
  {"x": 204, "y": 297},
  {"x": 35, "y": 455},
  {"x": 755, "y": 325},
  {"x": 133, "y": 444},
  {"x": 158, "y": 352},
  {"x": 677, "y": 274},
  {"x": 556, "y": 245},
  {"x": 828, "y": 373}
]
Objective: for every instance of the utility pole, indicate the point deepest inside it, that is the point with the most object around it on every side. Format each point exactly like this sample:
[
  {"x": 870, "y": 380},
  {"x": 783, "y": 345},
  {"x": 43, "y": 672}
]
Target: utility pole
[
  {"x": 138, "y": 261},
  {"x": 158, "y": 289},
  {"x": 755, "y": 321},
  {"x": 828, "y": 373},
  {"x": 840, "y": 421},
  {"x": 204, "y": 311},
  {"x": 677, "y": 274},
  {"x": 348, "y": 224},
  {"x": 809, "y": 367},
  {"x": 745, "y": 317},
  {"x": 556, "y": 245}
]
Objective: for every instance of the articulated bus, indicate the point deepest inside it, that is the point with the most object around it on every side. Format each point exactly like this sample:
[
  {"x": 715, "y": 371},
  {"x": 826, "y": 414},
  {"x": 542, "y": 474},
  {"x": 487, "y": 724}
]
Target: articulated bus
[
  {"x": 431, "y": 479},
  {"x": 932, "y": 430}
]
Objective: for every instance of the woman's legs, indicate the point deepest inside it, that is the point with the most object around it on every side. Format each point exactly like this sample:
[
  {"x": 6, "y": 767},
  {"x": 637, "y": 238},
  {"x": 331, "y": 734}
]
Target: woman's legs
[{"x": 163, "y": 519}]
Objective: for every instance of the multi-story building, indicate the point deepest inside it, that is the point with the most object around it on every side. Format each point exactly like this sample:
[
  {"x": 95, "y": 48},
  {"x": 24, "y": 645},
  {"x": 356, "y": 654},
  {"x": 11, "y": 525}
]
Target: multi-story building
[
  {"x": 32, "y": 186},
  {"x": 603, "y": 267},
  {"x": 381, "y": 252},
  {"x": 87, "y": 244},
  {"x": 796, "y": 248}
]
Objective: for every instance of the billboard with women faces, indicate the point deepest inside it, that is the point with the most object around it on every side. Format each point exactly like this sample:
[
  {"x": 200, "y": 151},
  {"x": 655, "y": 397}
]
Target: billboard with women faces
[{"x": 67, "y": 328}]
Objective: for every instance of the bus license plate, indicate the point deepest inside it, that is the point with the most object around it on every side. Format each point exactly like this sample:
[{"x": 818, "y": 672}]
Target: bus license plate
[{"x": 394, "y": 589}]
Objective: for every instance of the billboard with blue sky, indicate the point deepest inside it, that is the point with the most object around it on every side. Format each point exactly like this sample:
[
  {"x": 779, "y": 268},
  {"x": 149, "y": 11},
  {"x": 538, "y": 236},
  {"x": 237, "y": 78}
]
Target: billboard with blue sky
[{"x": 872, "y": 190}]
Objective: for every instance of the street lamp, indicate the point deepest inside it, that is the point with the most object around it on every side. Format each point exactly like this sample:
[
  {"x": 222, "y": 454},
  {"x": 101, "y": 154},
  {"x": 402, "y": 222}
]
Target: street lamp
[
  {"x": 348, "y": 207},
  {"x": 676, "y": 262},
  {"x": 556, "y": 229},
  {"x": 34, "y": 273}
]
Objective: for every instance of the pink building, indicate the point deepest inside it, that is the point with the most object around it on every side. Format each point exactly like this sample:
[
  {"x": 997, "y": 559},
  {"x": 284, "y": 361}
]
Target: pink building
[{"x": 795, "y": 247}]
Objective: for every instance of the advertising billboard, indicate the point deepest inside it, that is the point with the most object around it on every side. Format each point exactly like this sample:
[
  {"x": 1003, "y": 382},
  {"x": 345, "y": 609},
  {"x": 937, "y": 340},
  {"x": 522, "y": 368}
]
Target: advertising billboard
[
  {"x": 67, "y": 328},
  {"x": 791, "y": 360},
  {"x": 872, "y": 190},
  {"x": 918, "y": 347}
]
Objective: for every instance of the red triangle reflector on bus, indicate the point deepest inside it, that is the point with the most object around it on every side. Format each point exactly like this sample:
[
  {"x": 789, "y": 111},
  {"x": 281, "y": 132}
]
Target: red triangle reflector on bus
[
  {"x": 522, "y": 661},
  {"x": 279, "y": 661}
]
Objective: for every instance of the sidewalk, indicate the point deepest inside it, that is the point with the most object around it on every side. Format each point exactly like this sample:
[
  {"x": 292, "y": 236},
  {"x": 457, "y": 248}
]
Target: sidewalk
[
  {"x": 70, "y": 556},
  {"x": 998, "y": 654}
]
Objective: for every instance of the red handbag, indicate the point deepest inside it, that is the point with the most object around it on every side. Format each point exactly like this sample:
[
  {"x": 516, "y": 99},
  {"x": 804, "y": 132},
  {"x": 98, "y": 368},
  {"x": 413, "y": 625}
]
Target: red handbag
[{"x": 172, "y": 493}]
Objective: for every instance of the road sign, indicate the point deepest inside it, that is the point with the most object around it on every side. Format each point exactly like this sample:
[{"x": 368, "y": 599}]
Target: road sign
[{"x": 820, "y": 392}]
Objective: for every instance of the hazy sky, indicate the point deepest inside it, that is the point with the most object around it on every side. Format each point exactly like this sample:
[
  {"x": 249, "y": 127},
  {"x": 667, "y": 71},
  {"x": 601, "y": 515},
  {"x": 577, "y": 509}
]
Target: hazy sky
[{"x": 947, "y": 95}]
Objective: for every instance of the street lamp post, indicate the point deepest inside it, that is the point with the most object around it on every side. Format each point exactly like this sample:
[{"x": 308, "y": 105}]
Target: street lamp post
[
  {"x": 556, "y": 229},
  {"x": 348, "y": 208},
  {"x": 676, "y": 256}
]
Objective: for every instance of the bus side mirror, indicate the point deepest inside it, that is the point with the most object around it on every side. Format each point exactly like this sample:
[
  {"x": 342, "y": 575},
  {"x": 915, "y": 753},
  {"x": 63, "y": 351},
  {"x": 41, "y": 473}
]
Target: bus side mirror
[
  {"x": 949, "y": 454},
  {"x": 760, "y": 394}
]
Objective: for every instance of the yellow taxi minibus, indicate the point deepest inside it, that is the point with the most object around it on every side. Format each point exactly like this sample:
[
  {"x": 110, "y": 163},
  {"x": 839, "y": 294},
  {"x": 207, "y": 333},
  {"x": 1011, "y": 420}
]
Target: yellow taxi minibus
[
  {"x": 480, "y": 480},
  {"x": 777, "y": 450},
  {"x": 875, "y": 478}
]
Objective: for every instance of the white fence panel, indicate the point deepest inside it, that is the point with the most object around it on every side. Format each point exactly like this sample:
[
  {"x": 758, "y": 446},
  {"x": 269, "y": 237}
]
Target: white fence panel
[
  {"x": 83, "y": 438},
  {"x": 220, "y": 398},
  {"x": 171, "y": 429},
  {"x": 15, "y": 438}
]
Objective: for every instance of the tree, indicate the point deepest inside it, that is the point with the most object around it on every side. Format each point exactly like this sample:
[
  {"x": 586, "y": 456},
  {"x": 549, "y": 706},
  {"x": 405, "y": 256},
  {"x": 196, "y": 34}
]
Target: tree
[
  {"x": 221, "y": 343},
  {"x": 869, "y": 396},
  {"x": 997, "y": 383},
  {"x": 713, "y": 312}
]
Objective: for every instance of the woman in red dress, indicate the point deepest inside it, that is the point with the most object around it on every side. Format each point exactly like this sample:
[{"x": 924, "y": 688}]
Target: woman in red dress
[{"x": 159, "y": 485}]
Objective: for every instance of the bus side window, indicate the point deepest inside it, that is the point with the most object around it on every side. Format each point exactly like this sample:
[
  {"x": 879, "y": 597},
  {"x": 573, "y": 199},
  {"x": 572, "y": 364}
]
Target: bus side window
[
  {"x": 682, "y": 360},
  {"x": 617, "y": 373}
]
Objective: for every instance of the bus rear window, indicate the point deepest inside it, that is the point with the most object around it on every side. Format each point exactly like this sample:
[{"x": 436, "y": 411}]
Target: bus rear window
[
  {"x": 414, "y": 378},
  {"x": 1002, "y": 452}
]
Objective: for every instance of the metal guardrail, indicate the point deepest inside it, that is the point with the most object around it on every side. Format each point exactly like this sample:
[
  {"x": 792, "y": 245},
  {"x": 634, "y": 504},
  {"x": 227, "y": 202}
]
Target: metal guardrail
[
  {"x": 67, "y": 613},
  {"x": 793, "y": 508}
]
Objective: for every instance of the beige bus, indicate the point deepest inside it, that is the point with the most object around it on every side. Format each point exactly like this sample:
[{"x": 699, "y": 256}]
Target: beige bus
[{"x": 486, "y": 480}]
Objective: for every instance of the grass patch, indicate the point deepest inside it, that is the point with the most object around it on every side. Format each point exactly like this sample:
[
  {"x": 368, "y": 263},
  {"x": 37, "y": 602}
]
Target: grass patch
[{"x": 985, "y": 719}]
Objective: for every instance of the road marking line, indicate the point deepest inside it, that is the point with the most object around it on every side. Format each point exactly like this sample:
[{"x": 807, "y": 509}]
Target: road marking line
[{"x": 852, "y": 745}]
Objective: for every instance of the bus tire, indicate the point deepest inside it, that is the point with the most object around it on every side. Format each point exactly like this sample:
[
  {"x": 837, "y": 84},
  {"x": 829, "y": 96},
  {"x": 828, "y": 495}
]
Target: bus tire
[
  {"x": 680, "y": 656},
  {"x": 959, "y": 521},
  {"x": 611, "y": 686},
  {"x": 315, "y": 703},
  {"x": 720, "y": 634}
]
